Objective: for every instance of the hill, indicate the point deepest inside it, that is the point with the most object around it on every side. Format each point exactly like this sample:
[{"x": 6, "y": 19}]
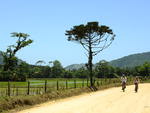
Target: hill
[
  {"x": 131, "y": 60},
  {"x": 127, "y": 61},
  {"x": 75, "y": 66}
]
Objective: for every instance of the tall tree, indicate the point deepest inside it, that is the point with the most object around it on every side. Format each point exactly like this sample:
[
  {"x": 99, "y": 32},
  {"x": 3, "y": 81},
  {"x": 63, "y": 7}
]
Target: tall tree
[
  {"x": 57, "y": 69},
  {"x": 38, "y": 68},
  {"x": 104, "y": 70},
  {"x": 94, "y": 38},
  {"x": 10, "y": 60},
  {"x": 144, "y": 70}
]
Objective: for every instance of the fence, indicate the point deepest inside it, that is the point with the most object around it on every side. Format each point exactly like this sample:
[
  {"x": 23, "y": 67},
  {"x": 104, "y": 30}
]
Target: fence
[
  {"x": 31, "y": 88},
  {"x": 34, "y": 88}
]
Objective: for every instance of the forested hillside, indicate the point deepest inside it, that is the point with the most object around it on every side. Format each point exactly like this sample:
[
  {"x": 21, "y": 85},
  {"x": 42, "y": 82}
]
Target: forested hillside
[
  {"x": 131, "y": 60},
  {"x": 127, "y": 61},
  {"x": 75, "y": 66}
]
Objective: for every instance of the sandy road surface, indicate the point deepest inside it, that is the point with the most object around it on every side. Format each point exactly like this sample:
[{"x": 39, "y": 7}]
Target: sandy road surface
[{"x": 108, "y": 101}]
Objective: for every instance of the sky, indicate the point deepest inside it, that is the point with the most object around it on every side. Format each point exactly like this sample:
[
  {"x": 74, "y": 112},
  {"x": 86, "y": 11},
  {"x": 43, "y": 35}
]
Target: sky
[{"x": 47, "y": 20}]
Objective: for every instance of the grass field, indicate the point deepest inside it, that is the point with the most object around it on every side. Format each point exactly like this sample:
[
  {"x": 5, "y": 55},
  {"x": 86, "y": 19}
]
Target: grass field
[
  {"x": 40, "y": 86},
  {"x": 44, "y": 85}
]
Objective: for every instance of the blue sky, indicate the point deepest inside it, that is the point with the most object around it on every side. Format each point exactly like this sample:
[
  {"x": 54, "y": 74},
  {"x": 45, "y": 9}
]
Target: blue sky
[{"x": 47, "y": 20}]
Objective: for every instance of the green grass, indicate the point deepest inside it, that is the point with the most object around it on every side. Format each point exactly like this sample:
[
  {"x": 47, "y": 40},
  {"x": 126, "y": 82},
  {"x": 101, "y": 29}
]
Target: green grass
[
  {"x": 37, "y": 86},
  {"x": 50, "y": 83}
]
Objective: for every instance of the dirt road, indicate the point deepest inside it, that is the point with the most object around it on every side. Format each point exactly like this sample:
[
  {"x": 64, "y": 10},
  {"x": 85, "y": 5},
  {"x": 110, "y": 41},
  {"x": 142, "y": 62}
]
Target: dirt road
[{"x": 108, "y": 101}]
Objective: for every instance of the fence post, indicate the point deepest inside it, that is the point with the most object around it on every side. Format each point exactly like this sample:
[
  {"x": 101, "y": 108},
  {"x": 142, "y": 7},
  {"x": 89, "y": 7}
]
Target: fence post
[
  {"x": 57, "y": 85},
  {"x": 28, "y": 88},
  {"x": 66, "y": 84},
  {"x": 8, "y": 88},
  {"x": 45, "y": 86},
  {"x": 75, "y": 84},
  {"x": 13, "y": 90}
]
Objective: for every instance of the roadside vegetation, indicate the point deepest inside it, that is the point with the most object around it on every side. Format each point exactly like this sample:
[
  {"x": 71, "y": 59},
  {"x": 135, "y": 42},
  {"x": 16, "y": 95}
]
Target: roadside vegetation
[{"x": 13, "y": 103}]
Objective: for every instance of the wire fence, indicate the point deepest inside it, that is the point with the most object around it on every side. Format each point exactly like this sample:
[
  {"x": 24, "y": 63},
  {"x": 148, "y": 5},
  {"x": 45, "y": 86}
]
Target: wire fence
[{"x": 36, "y": 88}]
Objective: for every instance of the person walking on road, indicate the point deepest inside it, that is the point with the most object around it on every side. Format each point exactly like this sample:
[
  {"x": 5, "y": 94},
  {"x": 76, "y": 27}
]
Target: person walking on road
[
  {"x": 136, "y": 83},
  {"x": 123, "y": 80}
]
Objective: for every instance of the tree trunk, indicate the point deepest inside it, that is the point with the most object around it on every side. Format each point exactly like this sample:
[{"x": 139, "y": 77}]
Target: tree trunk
[{"x": 90, "y": 65}]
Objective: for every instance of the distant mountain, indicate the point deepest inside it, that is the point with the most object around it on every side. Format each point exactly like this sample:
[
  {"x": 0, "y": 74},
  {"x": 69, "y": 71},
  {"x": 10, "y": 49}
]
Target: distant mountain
[
  {"x": 131, "y": 60},
  {"x": 127, "y": 61},
  {"x": 75, "y": 66}
]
